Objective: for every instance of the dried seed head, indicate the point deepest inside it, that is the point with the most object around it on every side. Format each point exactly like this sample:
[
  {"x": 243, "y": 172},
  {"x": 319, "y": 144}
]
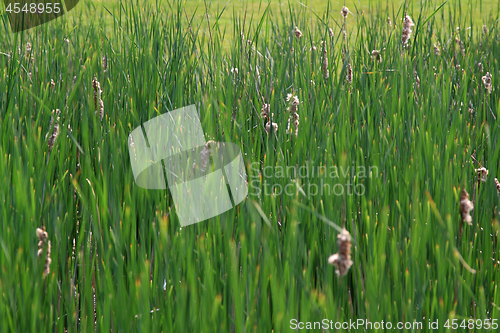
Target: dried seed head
[
  {"x": 273, "y": 125},
  {"x": 485, "y": 29},
  {"x": 264, "y": 111},
  {"x": 342, "y": 259},
  {"x": 497, "y": 185},
  {"x": 461, "y": 44},
  {"x": 99, "y": 104},
  {"x": 104, "y": 62},
  {"x": 298, "y": 33},
  {"x": 344, "y": 33},
  {"x": 326, "y": 72},
  {"x": 349, "y": 73},
  {"x": 481, "y": 67},
  {"x": 345, "y": 11},
  {"x": 330, "y": 32},
  {"x": 28, "y": 49},
  {"x": 389, "y": 21},
  {"x": 52, "y": 83},
  {"x": 55, "y": 130},
  {"x": 44, "y": 243},
  {"x": 482, "y": 173},
  {"x": 234, "y": 70},
  {"x": 465, "y": 207},
  {"x": 417, "y": 79},
  {"x": 437, "y": 51},
  {"x": 487, "y": 82},
  {"x": 376, "y": 56},
  {"x": 407, "y": 25}
]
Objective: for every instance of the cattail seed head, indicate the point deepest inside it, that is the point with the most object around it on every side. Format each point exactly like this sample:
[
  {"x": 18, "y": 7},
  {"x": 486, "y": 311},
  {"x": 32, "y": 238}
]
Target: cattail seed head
[
  {"x": 99, "y": 104},
  {"x": 342, "y": 259},
  {"x": 298, "y": 33},
  {"x": 465, "y": 207},
  {"x": 376, "y": 56},
  {"x": 480, "y": 67},
  {"x": 345, "y": 11},
  {"x": 349, "y": 73},
  {"x": 487, "y": 82},
  {"x": 330, "y": 32},
  {"x": 28, "y": 49},
  {"x": 44, "y": 244},
  {"x": 461, "y": 45},
  {"x": 437, "y": 51},
  {"x": 482, "y": 173},
  {"x": 326, "y": 72},
  {"x": 104, "y": 62},
  {"x": 273, "y": 125},
  {"x": 407, "y": 25},
  {"x": 389, "y": 21},
  {"x": 417, "y": 79},
  {"x": 497, "y": 185},
  {"x": 485, "y": 29},
  {"x": 55, "y": 130},
  {"x": 264, "y": 111}
]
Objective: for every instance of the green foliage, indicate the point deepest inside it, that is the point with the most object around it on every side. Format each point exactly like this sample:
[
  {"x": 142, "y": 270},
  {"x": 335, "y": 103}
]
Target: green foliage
[{"x": 120, "y": 261}]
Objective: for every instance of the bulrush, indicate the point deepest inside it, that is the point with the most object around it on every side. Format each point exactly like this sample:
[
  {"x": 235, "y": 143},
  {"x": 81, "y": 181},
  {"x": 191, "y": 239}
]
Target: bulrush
[
  {"x": 273, "y": 125},
  {"x": 99, "y": 104},
  {"x": 55, "y": 130},
  {"x": 342, "y": 259},
  {"x": 482, "y": 173},
  {"x": 44, "y": 242},
  {"x": 497, "y": 185},
  {"x": 104, "y": 62},
  {"x": 376, "y": 56},
  {"x": 298, "y": 33},
  {"x": 465, "y": 207},
  {"x": 294, "y": 115},
  {"x": 487, "y": 82},
  {"x": 407, "y": 25},
  {"x": 345, "y": 11},
  {"x": 326, "y": 72},
  {"x": 349, "y": 73},
  {"x": 461, "y": 45},
  {"x": 437, "y": 51}
]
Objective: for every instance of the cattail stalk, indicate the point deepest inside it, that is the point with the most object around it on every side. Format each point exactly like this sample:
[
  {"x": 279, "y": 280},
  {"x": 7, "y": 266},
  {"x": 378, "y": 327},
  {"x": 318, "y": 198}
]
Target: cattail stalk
[
  {"x": 99, "y": 104},
  {"x": 44, "y": 243},
  {"x": 465, "y": 207},
  {"x": 342, "y": 259},
  {"x": 407, "y": 25}
]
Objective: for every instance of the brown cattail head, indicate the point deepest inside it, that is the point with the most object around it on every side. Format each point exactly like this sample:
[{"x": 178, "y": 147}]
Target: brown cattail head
[
  {"x": 55, "y": 130},
  {"x": 326, "y": 72},
  {"x": 273, "y": 125},
  {"x": 342, "y": 259},
  {"x": 44, "y": 243},
  {"x": 465, "y": 207},
  {"x": 407, "y": 25},
  {"x": 376, "y": 56},
  {"x": 345, "y": 11},
  {"x": 99, "y": 104},
  {"x": 437, "y": 51},
  {"x": 298, "y": 33},
  {"x": 482, "y": 173},
  {"x": 104, "y": 62},
  {"x": 264, "y": 111},
  {"x": 497, "y": 185},
  {"x": 349, "y": 73},
  {"x": 461, "y": 45},
  {"x": 294, "y": 115},
  {"x": 487, "y": 82}
]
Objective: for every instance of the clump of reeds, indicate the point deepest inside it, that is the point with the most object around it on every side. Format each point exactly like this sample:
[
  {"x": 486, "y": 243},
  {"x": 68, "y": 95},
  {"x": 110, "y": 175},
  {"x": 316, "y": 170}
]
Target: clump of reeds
[
  {"x": 407, "y": 25},
  {"x": 55, "y": 129},
  {"x": 482, "y": 173},
  {"x": 326, "y": 72},
  {"x": 342, "y": 259},
  {"x": 294, "y": 115},
  {"x": 487, "y": 82},
  {"x": 99, "y": 104},
  {"x": 465, "y": 207},
  {"x": 44, "y": 244}
]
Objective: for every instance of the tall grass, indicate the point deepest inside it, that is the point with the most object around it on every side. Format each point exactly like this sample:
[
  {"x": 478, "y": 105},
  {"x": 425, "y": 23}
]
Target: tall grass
[{"x": 121, "y": 262}]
